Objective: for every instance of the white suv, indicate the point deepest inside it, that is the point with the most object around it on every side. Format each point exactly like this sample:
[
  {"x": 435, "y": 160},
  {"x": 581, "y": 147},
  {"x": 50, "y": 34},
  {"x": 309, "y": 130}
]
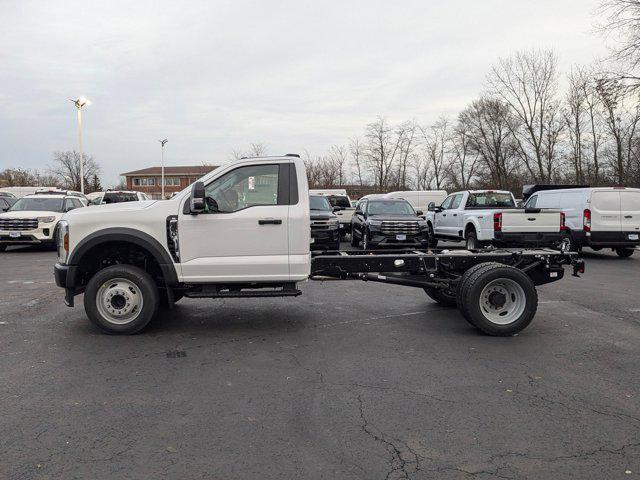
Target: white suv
[
  {"x": 116, "y": 196},
  {"x": 33, "y": 219}
]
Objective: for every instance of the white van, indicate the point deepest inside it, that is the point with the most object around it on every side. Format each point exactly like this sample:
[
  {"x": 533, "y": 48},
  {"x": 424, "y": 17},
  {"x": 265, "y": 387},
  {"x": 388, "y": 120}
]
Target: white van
[
  {"x": 602, "y": 217},
  {"x": 419, "y": 199}
]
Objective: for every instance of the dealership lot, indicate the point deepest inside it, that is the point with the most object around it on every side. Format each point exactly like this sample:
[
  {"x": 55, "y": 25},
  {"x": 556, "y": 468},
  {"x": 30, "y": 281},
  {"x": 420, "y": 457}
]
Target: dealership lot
[{"x": 351, "y": 380}]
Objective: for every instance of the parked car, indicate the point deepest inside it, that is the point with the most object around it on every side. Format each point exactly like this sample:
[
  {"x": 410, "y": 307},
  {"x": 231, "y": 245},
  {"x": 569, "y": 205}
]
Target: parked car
[
  {"x": 419, "y": 199},
  {"x": 386, "y": 222},
  {"x": 490, "y": 217},
  {"x": 338, "y": 198},
  {"x": 34, "y": 219},
  {"x": 116, "y": 196},
  {"x": 60, "y": 191},
  {"x": 6, "y": 202},
  {"x": 325, "y": 227},
  {"x": 601, "y": 217}
]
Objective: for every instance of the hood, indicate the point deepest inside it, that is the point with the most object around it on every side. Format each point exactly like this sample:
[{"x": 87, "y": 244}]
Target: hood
[
  {"x": 395, "y": 218},
  {"x": 29, "y": 214},
  {"x": 114, "y": 207},
  {"x": 321, "y": 215}
]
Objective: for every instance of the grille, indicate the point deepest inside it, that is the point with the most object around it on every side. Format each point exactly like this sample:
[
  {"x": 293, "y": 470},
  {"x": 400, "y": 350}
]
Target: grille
[
  {"x": 395, "y": 228},
  {"x": 17, "y": 224},
  {"x": 320, "y": 225}
]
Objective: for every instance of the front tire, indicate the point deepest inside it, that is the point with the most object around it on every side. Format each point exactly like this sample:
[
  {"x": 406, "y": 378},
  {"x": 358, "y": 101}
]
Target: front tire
[
  {"x": 498, "y": 299},
  {"x": 3, "y": 248},
  {"x": 624, "y": 252},
  {"x": 121, "y": 299},
  {"x": 433, "y": 241},
  {"x": 472, "y": 242},
  {"x": 365, "y": 240},
  {"x": 354, "y": 240}
]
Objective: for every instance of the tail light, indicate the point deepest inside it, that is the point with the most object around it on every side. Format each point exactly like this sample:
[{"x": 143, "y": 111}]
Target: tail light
[
  {"x": 563, "y": 222},
  {"x": 497, "y": 222},
  {"x": 586, "y": 220}
]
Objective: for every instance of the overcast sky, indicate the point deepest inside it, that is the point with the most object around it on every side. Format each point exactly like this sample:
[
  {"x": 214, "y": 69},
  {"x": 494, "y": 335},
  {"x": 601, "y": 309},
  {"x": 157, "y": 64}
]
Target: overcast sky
[{"x": 212, "y": 76}]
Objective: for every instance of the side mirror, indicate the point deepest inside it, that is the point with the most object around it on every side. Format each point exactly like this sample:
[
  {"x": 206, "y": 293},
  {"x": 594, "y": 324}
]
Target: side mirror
[
  {"x": 432, "y": 206},
  {"x": 197, "y": 198},
  {"x": 419, "y": 213},
  {"x": 4, "y": 209}
]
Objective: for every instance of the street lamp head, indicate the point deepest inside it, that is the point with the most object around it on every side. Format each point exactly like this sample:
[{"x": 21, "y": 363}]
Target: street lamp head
[
  {"x": 81, "y": 102},
  {"x": 163, "y": 142}
]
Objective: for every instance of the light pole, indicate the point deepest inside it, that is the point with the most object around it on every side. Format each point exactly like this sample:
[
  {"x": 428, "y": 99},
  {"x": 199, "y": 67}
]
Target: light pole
[
  {"x": 79, "y": 103},
  {"x": 163, "y": 143}
]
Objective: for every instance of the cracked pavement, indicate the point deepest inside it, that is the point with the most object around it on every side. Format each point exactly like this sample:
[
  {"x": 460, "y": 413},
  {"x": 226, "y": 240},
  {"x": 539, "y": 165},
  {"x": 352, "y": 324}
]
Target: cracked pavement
[{"x": 348, "y": 381}]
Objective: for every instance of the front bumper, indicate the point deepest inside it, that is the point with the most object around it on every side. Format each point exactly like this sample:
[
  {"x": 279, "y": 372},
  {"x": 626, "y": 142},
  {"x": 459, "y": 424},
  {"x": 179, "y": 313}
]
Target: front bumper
[
  {"x": 382, "y": 240},
  {"x": 36, "y": 236},
  {"x": 65, "y": 276},
  {"x": 325, "y": 239},
  {"x": 539, "y": 239}
]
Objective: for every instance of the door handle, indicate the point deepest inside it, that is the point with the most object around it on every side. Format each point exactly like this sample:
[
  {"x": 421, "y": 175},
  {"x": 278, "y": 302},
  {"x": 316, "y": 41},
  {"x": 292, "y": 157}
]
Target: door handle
[
  {"x": 628, "y": 216},
  {"x": 269, "y": 221},
  {"x": 455, "y": 214},
  {"x": 444, "y": 214}
]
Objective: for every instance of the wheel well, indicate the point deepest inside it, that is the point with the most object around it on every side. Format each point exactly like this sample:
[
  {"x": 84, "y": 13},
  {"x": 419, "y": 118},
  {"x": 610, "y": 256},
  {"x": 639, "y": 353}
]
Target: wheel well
[
  {"x": 105, "y": 254},
  {"x": 468, "y": 229}
]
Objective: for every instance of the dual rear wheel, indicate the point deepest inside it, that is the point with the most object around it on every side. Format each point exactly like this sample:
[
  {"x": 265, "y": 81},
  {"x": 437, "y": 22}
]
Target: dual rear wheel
[{"x": 497, "y": 299}]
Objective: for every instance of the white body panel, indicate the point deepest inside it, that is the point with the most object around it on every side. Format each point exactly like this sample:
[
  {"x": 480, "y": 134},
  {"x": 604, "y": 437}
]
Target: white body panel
[{"x": 217, "y": 247}]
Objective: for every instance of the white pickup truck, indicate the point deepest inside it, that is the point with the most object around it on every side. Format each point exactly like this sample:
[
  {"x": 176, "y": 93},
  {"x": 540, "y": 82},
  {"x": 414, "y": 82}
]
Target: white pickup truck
[
  {"x": 490, "y": 217},
  {"x": 243, "y": 231}
]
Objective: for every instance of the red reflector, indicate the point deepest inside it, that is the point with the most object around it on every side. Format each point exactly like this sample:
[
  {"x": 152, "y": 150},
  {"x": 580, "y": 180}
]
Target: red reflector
[
  {"x": 497, "y": 222},
  {"x": 563, "y": 219}
]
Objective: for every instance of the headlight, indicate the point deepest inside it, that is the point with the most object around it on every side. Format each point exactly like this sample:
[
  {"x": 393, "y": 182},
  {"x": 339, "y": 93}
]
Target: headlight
[
  {"x": 63, "y": 241},
  {"x": 333, "y": 223},
  {"x": 422, "y": 224},
  {"x": 46, "y": 219},
  {"x": 374, "y": 223}
]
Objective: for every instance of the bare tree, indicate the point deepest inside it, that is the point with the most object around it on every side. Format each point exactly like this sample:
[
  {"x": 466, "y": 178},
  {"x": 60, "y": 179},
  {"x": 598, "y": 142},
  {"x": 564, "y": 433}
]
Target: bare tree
[
  {"x": 407, "y": 139},
  {"x": 621, "y": 123},
  {"x": 357, "y": 155},
  {"x": 339, "y": 158},
  {"x": 66, "y": 168},
  {"x": 488, "y": 122},
  {"x": 465, "y": 156},
  {"x": 526, "y": 82},
  {"x": 255, "y": 149},
  {"x": 436, "y": 139},
  {"x": 382, "y": 150},
  {"x": 621, "y": 24}
]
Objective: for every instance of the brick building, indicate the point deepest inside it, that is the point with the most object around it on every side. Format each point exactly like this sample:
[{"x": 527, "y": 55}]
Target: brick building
[{"x": 148, "y": 179}]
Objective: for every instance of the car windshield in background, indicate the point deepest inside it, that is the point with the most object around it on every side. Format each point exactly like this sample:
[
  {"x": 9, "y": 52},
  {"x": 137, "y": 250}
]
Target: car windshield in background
[
  {"x": 490, "y": 200},
  {"x": 319, "y": 203},
  {"x": 117, "y": 197},
  {"x": 37, "y": 204},
  {"x": 339, "y": 201},
  {"x": 399, "y": 207}
]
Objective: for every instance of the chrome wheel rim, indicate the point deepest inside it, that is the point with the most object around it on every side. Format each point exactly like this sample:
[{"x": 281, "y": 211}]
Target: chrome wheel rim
[
  {"x": 119, "y": 301},
  {"x": 471, "y": 243},
  {"x": 502, "y": 301}
]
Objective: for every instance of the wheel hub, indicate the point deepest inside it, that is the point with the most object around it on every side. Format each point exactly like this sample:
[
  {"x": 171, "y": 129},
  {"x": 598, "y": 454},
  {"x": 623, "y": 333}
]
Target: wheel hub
[
  {"x": 119, "y": 300},
  {"x": 497, "y": 299},
  {"x": 502, "y": 301}
]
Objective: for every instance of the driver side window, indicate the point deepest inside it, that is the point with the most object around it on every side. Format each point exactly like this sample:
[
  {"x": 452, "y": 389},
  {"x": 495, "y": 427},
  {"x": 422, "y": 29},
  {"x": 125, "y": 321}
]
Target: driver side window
[
  {"x": 447, "y": 203},
  {"x": 242, "y": 188}
]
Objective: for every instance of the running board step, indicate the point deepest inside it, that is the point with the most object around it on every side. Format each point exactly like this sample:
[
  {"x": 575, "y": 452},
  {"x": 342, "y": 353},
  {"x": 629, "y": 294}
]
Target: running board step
[{"x": 224, "y": 291}]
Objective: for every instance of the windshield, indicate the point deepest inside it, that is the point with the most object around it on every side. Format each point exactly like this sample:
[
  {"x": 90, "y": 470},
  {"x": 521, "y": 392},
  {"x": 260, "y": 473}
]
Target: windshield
[
  {"x": 319, "y": 203},
  {"x": 339, "y": 201},
  {"x": 490, "y": 200},
  {"x": 117, "y": 197},
  {"x": 37, "y": 204},
  {"x": 399, "y": 207}
]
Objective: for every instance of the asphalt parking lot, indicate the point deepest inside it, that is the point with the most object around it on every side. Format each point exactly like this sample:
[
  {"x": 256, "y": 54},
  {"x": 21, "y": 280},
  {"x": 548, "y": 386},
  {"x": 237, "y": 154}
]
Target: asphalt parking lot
[{"x": 348, "y": 381}]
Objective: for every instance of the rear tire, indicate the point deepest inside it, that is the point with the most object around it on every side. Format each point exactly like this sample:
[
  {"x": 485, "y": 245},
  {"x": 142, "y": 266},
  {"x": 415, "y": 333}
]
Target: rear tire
[
  {"x": 499, "y": 300},
  {"x": 624, "y": 252},
  {"x": 462, "y": 287},
  {"x": 121, "y": 299},
  {"x": 3, "y": 248},
  {"x": 472, "y": 242},
  {"x": 445, "y": 298}
]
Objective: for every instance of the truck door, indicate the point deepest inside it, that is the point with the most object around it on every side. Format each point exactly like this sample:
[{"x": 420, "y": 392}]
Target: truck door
[
  {"x": 440, "y": 218},
  {"x": 243, "y": 236},
  {"x": 630, "y": 213},
  {"x": 605, "y": 211}
]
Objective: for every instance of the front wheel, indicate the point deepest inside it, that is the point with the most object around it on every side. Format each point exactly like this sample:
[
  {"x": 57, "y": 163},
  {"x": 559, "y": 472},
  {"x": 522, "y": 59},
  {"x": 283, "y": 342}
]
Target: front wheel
[
  {"x": 121, "y": 299},
  {"x": 498, "y": 299},
  {"x": 3, "y": 248},
  {"x": 365, "y": 240},
  {"x": 354, "y": 240},
  {"x": 472, "y": 242},
  {"x": 433, "y": 241},
  {"x": 624, "y": 252}
]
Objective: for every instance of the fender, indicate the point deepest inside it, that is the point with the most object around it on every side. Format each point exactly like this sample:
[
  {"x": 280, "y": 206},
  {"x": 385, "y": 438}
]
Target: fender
[
  {"x": 476, "y": 225},
  {"x": 120, "y": 234}
]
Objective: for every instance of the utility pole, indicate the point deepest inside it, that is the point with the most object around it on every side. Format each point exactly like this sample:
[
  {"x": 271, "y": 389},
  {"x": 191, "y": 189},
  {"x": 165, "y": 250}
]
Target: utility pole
[
  {"x": 162, "y": 143},
  {"x": 79, "y": 103}
]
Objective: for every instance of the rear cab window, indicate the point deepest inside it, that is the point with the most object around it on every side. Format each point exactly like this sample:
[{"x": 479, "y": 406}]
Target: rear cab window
[{"x": 482, "y": 200}]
